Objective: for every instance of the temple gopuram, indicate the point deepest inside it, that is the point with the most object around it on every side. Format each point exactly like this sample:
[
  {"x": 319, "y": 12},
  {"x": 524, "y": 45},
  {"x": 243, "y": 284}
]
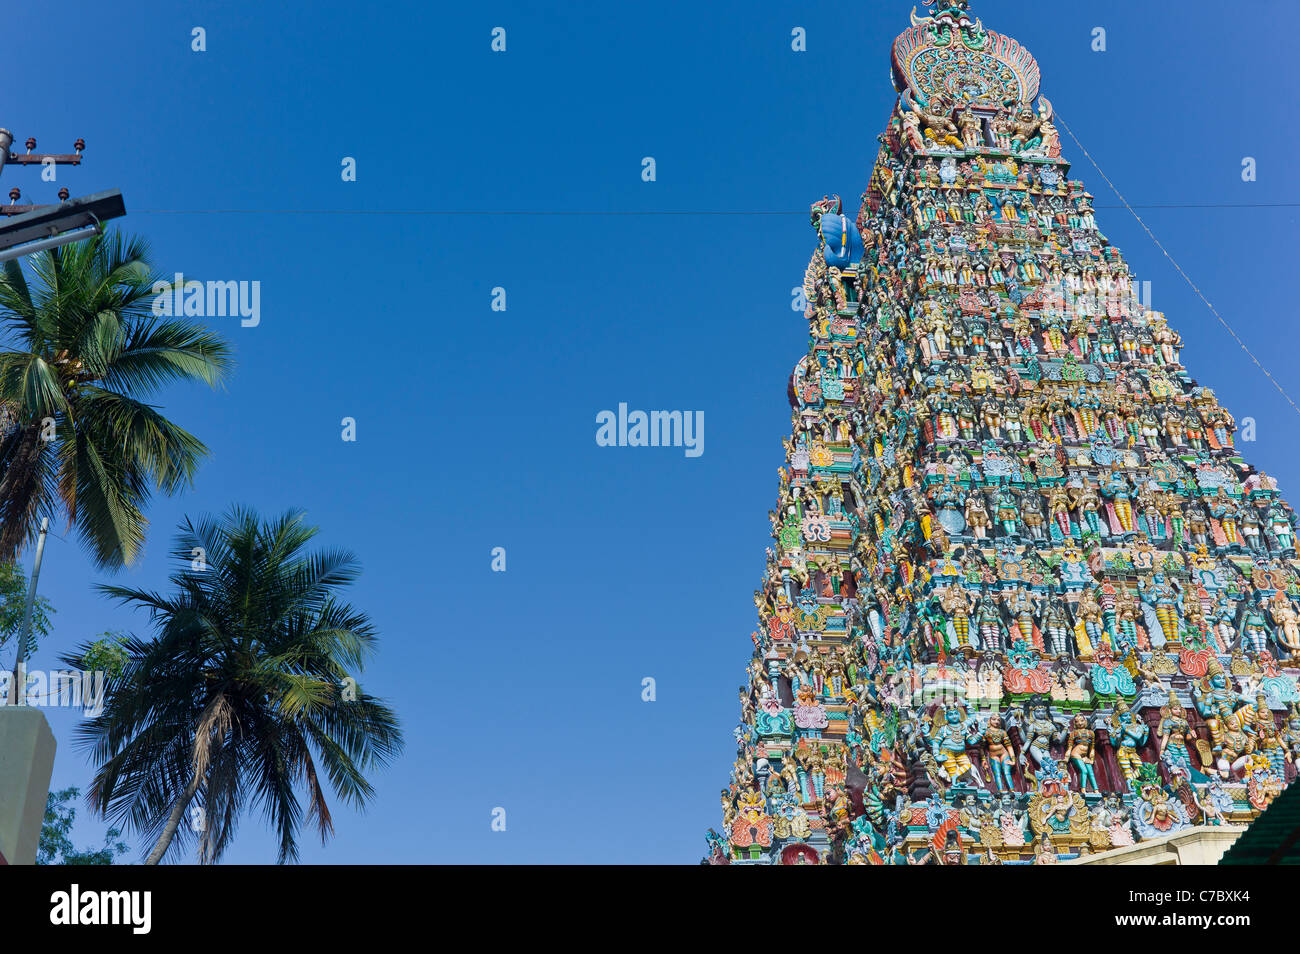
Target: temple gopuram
[{"x": 1027, "y": 603}]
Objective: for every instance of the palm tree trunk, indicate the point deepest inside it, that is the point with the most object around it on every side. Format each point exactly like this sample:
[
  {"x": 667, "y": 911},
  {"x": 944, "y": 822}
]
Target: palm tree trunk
[
  {"x": 173, "y": 822},
  {"x": 18, "y": 490}
]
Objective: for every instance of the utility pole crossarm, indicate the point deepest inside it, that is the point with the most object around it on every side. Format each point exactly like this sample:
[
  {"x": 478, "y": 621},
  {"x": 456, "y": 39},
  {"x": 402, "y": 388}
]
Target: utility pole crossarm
[
  {"x": 46, "y": 220},
  {"x": 30, "y": 158}
]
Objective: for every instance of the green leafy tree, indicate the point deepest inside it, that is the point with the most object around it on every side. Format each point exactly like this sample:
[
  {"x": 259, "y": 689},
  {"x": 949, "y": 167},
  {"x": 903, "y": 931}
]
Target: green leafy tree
[
  {"x": 107, "y": 654},
  {"x": 13, "y": 598},
  {"x": 80, "y": 350},
  {"x": 244, "y": 694},
  {"x": 55, "y": 846}
]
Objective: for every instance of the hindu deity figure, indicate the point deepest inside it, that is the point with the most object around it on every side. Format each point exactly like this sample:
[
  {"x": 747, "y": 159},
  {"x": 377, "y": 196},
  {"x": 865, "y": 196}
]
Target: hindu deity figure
[
  {"x": 1087, "y": 406},
  {"x": 1053, "y": 336},
  {"x": 977, "y": 515},
  {"x": 948, "y": 516},
  {"x": 1168, "y": 605},
  {"x": 1128, "y": 342},
  {"x": 1254, "y": 627},
  {"x": 1219, "y": 705},
  {"x": 1175, "y": 428},
  {"x": 1031, "y": 511},
  {"x": 1023, "y": 607},
  {"x": 1223, "y": 627},
  {"x": 1107, "y": 676},
  {"x": 1152, "y": 521},
  {"x": 956, "y": 604},
  {"x": 1126, "y": 621},
  {"x": 1263, "y": 785},
  {"x": 1026, "y": 131},
  {"x": 1010, "y": 819},
  {"x": 1287, "y": 621},
  {"x": 911, "y": 123},
  {"x": 1085, "y": 500},
  {"x": 1054, "y": 809},
  {"x": 1282, "y": 530},
  {"x": 1198, "y": 524},
  {"x": 1056, "y": 628},
  {"x": 1040, "y": 729},
  {"x": 1224, "y": 510},
  {"x": 988, "y": 622},
  {"x": 1252, "y": 531},
  {"x": 1221, "y": 425},
  {"x": 813, "y": 764},
  {"x": 1080, "y": 747},
  {"x": 1175, "y": 732},
  {"x": 1168, "y": 340},
  {"x": 991, "y": 411},
  {"x": 1268, "y": 740},
  {"x": 933, "y": 118},
  {"x": 996, "y": 340},
  {"x": 1195, "y": 428},
  {"x": 1089, "y": 630},
  {"x": 1061, "y": 422},
  {"x": 1291, "y": 735},
  {"x": 1022, "y": 330},
  {"x": 1197, "y": 630},
  {"x": 1158, "y": 814},
  {"x": 1060, "y": 505},
  {"x": 1008, "y": 512},
  {"x": 1116, "y": 488},
  {"x": 1215, "y": 803},
  {"x": 948, "y": 742},
  {"x": 1001, "y": 753},
  {"x": 966, "y": 416},
  {"x": 1118, "y": 821},
  {"x": 1045, "y": 851},
  {"x": 1127, "y": 734},
  {"x": 752, "y": 825},
  {"x": 1106, "y": 350},
  {"x": 972, "y": 132}
]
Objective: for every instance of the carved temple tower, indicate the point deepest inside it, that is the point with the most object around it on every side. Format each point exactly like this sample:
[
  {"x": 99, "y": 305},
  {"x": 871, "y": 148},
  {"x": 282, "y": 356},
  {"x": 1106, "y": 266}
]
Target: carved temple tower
[{"x": 1026, "y": 600}]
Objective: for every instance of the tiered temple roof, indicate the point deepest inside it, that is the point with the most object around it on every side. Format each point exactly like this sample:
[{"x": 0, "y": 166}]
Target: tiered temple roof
[{"x": 1026, "y": 600}]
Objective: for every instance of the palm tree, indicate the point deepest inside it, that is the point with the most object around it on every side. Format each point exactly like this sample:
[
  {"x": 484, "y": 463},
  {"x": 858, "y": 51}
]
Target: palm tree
[
  {"x": 79, "y": 349},
  {"x": 246, "y": 687}
]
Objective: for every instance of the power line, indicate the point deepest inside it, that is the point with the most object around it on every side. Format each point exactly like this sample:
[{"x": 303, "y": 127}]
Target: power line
[
  {"x": 648, "y": 212},
  {"x": 469, "y": 212},
  {"x": 1236, "y": 337}
]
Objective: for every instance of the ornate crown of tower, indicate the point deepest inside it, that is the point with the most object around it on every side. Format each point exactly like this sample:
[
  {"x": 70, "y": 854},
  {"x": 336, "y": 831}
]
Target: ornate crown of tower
[{"x": 947, "y": 57}]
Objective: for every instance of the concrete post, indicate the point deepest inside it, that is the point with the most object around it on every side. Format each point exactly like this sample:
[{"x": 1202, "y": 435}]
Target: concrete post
[{"x": 26, "y": 763}]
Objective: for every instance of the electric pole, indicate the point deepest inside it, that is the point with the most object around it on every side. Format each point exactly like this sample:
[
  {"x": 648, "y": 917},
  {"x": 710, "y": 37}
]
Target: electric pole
[
  {"x": 24, "y": 634},
  {"x": 33, "y": 227},
  {"x": 27, "y": 745}
]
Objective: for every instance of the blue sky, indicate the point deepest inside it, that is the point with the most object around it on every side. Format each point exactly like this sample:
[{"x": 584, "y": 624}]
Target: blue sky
[{"x": 476, "y": 428}]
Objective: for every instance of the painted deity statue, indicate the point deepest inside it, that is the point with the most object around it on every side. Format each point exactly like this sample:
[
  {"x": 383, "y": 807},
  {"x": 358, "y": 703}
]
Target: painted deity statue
[
  {"x": 1056, "y": 627},
  {"x": 1001, "y": 753},
  {"x": 1040, "y": 729},
  {"x": 1220, "y": 706},
  {"x": 1127, "y": 734},
  {"x": 1268, "y": 740},
  {"x": 1080, "y": 746},
  {"x": 948, "y": 744},
  {"x": 1175, "y": 732},
  {"x": 988, "y": 623},
  {"x": 1254, "y": 625}
]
